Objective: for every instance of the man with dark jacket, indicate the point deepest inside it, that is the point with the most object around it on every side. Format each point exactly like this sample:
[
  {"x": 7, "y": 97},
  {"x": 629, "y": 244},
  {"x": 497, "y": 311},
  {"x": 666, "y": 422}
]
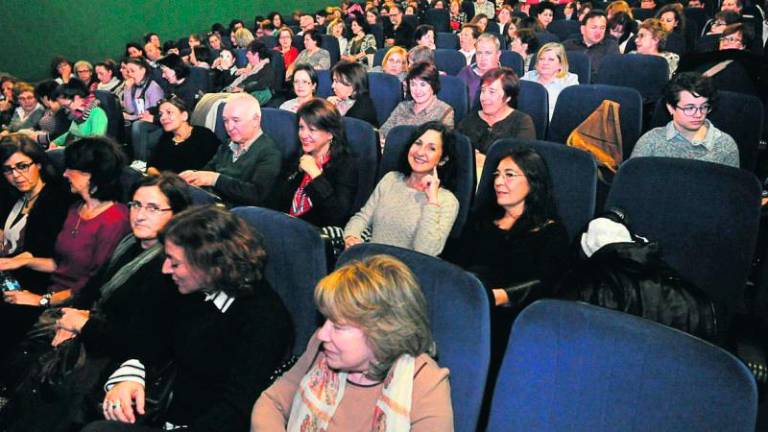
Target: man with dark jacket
[{"x": 593, "y": 41}]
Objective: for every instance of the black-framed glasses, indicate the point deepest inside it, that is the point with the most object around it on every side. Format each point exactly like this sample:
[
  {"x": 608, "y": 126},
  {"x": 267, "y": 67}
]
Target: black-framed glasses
[
  {"x": 21, "y": 167},
  {"x": 691, "y": 110},
  {"x": 150, "y": 208}
]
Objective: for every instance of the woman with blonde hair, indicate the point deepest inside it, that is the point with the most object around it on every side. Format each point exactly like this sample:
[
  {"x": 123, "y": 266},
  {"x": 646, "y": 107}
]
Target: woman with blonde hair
[
  {"x": 395, "y": 63},
  {"x": 336, "y": 28},
  {"x": 242, "y": 37},
  {"x": 552, "y": 72},
  {"x": 650, "y": 41},
  {"x": 358, "y": 374}
]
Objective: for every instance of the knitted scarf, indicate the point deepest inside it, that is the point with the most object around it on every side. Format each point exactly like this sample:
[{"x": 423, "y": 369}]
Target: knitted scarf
[
  {"x": 301, "y": 202},
  {"x": 322, "y": 389}
]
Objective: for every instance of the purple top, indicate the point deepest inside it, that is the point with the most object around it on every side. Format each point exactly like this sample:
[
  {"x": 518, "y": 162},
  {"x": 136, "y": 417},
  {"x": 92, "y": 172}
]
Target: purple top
[
  {"x": 151, "y": 93},
  {"x": 472, "y": 80},
  {"x": 84, "y": 245}
]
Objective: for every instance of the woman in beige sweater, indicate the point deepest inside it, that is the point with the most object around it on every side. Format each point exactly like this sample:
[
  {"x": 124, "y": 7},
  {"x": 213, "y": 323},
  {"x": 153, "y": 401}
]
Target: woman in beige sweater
[{"x": 369, "y": 367}]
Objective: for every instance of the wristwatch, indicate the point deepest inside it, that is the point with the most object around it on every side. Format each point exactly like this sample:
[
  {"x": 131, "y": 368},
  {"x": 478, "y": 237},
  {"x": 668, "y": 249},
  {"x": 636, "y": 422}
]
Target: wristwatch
[{"x": 45, "y": 300}]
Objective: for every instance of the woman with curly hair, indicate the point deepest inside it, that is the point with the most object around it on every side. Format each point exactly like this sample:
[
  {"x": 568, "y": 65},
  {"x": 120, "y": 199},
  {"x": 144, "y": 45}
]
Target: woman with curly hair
[{"x": 230, "y": 330}]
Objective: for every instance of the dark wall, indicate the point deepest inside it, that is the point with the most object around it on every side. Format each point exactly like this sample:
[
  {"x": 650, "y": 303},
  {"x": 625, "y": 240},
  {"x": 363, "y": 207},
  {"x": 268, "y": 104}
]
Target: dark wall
[{"x": 36, "y": 30}]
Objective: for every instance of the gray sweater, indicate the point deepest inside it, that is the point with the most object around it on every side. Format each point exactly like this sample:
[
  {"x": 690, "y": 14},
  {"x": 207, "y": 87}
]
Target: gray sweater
[{"x": 399, "y": 216}]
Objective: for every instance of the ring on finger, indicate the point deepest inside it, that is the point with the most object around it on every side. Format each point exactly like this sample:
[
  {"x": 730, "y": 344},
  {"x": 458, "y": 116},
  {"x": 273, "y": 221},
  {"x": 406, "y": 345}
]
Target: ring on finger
[{"x": 115, "y": 405}]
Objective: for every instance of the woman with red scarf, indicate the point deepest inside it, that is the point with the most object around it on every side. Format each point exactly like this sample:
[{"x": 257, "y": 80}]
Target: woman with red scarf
[
  {"x": 88, "y": 119},
  {"x": 320, "y": 186}
]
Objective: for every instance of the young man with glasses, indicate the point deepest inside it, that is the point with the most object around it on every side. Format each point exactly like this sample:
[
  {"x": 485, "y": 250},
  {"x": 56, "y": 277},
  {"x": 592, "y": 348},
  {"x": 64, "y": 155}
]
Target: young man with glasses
[{"x": 689, "y": 98}]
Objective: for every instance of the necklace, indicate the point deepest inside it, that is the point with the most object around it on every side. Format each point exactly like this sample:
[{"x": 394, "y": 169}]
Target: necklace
[
  {"x": 29, "y": 201},
  {"x": 94, "y": 212}
]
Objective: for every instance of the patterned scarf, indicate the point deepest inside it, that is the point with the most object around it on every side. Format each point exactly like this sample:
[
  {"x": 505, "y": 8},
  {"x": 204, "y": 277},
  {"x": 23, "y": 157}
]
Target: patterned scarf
[
  {"x": 301, "y": 202},
  {"x": 81, "y": 115},
  {"x": 322, "y": 389}
]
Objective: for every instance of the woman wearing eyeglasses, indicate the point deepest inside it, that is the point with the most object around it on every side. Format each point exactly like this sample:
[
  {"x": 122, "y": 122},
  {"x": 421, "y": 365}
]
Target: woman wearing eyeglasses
[
  {"x": 130, "y": 313},
  {"x": 32, "y": 213},
  {"x": 183, "y": 146}
]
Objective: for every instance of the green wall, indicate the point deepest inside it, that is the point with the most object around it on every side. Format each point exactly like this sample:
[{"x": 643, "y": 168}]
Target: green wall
[{"x": 36, "y": 30}]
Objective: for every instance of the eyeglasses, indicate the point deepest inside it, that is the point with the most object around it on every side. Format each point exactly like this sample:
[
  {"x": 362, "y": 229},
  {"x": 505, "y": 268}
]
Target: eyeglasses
[
  {"x": 150, "y": 208},
  {"x": 21, "y": 168},
  {"x": 691, "y": 110}
]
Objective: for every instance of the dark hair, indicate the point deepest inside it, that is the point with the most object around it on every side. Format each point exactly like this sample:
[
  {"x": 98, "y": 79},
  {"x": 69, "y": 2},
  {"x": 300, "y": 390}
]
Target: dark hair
[
  {"x": 509, "y": 82},
  {"x": 218, "y": 28},
  {"x": 540, "y": 207},
  {"x": 747, "y": 34},
  {"x": 323, "y": 115},
  {"x": 103, "y": 159},
  {"x": 175, "y": 189},
  {"x": 528, "y": 36},
  {"x": 177, "y": 102},
  {"x": 47, "y": 89},
  {"x": 625, "y": 21},
  {"x": 422, "y": 30},
  {"x": 447, "y": 167},
  {"x": 309, "y": 70},
  {"x": 148, "y": 36},
  {"x": 202, "y": 53},
  {"x": 361, "y": 21},
  {"x": 133, "y": 45},
  {"x": 677, "y": 9},
  {"x": 17, "y": 142},
  {"x": 169, "y": 45},
  {"x": 475, "y": 30},
  {"x": 233, "y": 23},
  {"x": 692, "y": 82},
  {"x": 106, "y": 64},
  {"x": 55, "y": 65},
  {"x": 729, "y": 17},
  {"x": 73, "y": 88},
  {"x": 353, "y": 74},
  {"x": 315, "y": 35},
  {"x": 594, "y": 13},
  {"x": 542, "y": 6},
  {"x": 175, "y": 63},
  {"x": 138, "y": 61},
  {"x": 424, "y": 71},
  {"x": 257, "y": 47},
  {"x": 272, "y": 16},
  {"x": 220, "y": 245}
]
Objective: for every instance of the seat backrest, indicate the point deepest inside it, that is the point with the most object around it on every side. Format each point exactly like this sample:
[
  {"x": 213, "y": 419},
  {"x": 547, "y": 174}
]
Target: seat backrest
[
  {"x": 111, "y": 106},
  {"x": 365, "y": 147},
  {"x": 378, "y": 56},
  {"x": 387, "y": 91},
  {"x": 641, "y": 14},
  {"x": 564, "y": 29},
  {"x": 396, "y": 143},
  {"x": 269, "y": 41},
  {"x": 324, "y": 81},
  {"x": 578, "y": 63},
  {"x": 240, "y": 59},
  {"x": 454, "y": 92},
  {"x": 292, "y": 275},
  {"x": 203, "y": 197},
  {"x": 446, "y": 40},
  {"x": 449, "y": 61},
  {"x": 576, "y": 103},
  {"x": 573, "y": 173},
  {"x": 512, "y": 60},
  {"x": 200, "y": 79},
  {"x": 280, "y": 125},
  {"x": 533, "y": 100},
  {"x": 737, "y": 114},
  {"x": 439, "y": 19},
  {"x": 298, "y": 42},
  {"x": 278, "y": 67},
  {"x": 411, "y": 20},
  {"x": 219, "y": 130},
  {"x": 377, "y": 30},
  {"x": 459, "y": 318},
  {"x": 703, "y": 215},
  {"x": 331, "y": 44},
  {"x": 493, "y": 27},
  {"x": 546, "y": 37},
  {"x": 575, "y": 366},
  {"x": 649, "y": 73}
]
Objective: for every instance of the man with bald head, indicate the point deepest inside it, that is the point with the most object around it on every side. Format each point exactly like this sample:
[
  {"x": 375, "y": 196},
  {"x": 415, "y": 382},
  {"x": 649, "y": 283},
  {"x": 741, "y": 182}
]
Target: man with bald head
[{"x": 243, "y": 171}]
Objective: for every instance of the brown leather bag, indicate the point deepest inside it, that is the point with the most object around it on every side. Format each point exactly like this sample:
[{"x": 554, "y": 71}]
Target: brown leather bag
[{"x": 600, "y": 135}]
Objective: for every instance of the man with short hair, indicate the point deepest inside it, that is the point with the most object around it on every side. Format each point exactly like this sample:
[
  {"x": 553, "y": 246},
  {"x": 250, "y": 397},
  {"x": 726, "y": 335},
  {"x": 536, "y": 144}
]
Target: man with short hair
[
  {"x": 468, "y": 41},
  {"x": 152, "y": 54},
  {"x": 399, "y": 33},
  {"x": 306, "y": 23},
  {"x": 487, "y": 57},
  {"x": 243, "y": 171},
  {"x": 689, "y": 97},
  {"x": 593, "y": 41}
]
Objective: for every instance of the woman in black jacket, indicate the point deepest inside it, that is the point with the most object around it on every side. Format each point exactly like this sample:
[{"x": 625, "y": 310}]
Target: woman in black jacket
[
  {"x": 350, "y": 92},
  {"x": 321, "y": 186}
]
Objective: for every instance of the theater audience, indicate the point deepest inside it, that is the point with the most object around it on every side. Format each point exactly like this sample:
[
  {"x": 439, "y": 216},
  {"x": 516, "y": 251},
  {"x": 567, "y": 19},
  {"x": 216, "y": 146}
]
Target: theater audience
[
  {"x": 362, "y": 44},
  {"x": 32, "y": 212},
  {"x": 337, "y": 29},
  {"x": 88, "y": 118},
  {"x": 304, "y": 84},
  {"x": 383, "y": 378},
  {"x": 399, "y": 32},
  {"x": 457, "y": 17},
  {"x": 106, "y": 79},
  {"x": 545, "y": 14},
  {"x": 467, "y": 41},
  {"x": 7, "y": 103},
  {"x": 424, "y": 35},
  {"x": 182, "y": 146},
  {"x": 141, "y": 92},
  {"x": 650, "y": 37},
  {"x": 242, "y": 172},
  {"x": 285, "y": 46},
  {"x": 258, "y": 76},
  {"x": 313, "y": 54},
  {"x": 223, "y": 70},
  {"x": 480, "y": 21},
  {"x": 622, "y": 28},
  {"x": 487, "y": 56},
  {"x": 689, "y": 98},
  {"x": 395, "y": 62},
  {"x": 55, "y": 121},
  {"x": 552, "y": 72},
  {"x": 423, "y": 84},
  {"x": 350, "y": 92},
  {"x": 320, "y": 186},
  {"x": 228, "y": 334},
  {"x": 29, "y": 112},
  {"x": 125, "y": 310},
  {"x": 413, "y": 207},
  {"x": 176, "y": 73},
  {"x": 526, "y": 44},
  {"x": 593, "y": 41},
  {"x": 134, "y": 50},
  {"x": 241, "y": 38},
  {"x": 84, "y": 71}
]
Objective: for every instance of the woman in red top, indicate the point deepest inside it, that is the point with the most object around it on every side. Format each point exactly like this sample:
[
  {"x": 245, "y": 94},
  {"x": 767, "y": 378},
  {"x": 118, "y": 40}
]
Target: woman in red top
[{"x": 285, "y": 46}]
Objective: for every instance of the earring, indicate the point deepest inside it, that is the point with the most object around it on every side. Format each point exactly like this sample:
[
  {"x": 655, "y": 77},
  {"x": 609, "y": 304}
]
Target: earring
[{"x": 93, "y": 189}]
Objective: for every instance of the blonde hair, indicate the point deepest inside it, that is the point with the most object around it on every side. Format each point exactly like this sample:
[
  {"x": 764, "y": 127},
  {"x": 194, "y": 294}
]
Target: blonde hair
[
  {"x": 243, "y": 36},
  {"x": 559, "y": 51},
  {"x": 334, "y": 23},
  {"x": 618, "y": 6},
  {"x": 654, "y": 27},
  {"x": 395, "y": 50},
  {"x": 380, "y": 295}
]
